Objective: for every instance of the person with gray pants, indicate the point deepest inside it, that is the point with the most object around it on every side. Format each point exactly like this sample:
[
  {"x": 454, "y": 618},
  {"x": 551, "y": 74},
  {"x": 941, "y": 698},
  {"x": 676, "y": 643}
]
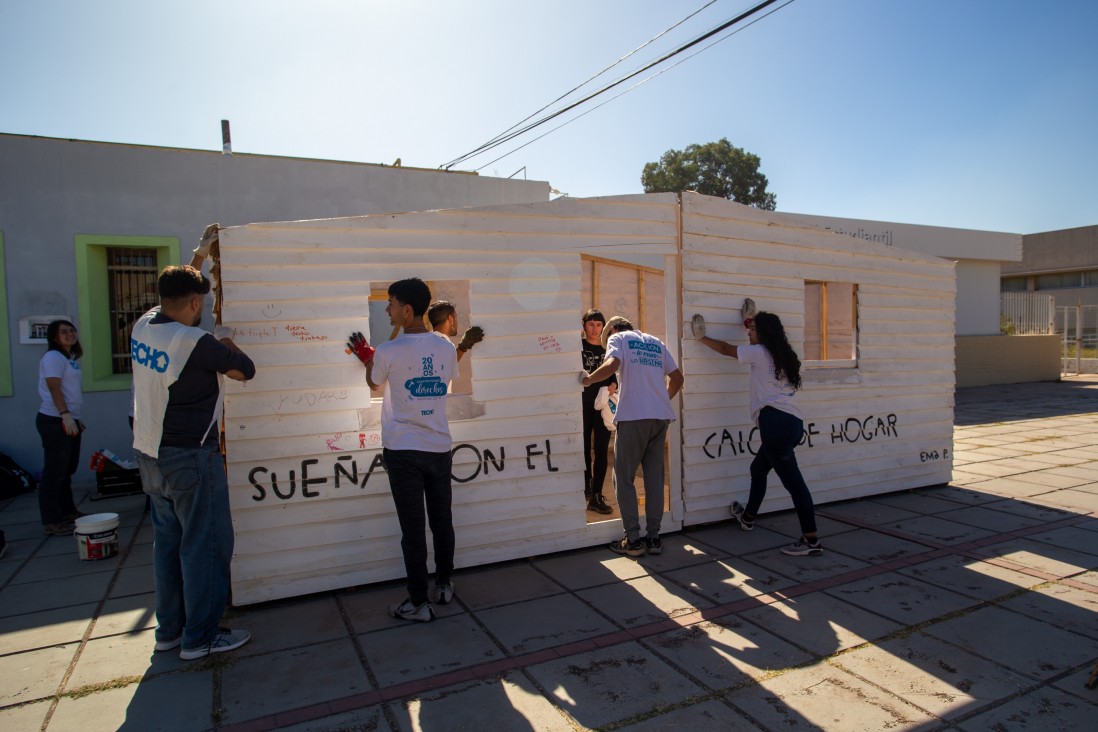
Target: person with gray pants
[{"x": 648, "y": 379}]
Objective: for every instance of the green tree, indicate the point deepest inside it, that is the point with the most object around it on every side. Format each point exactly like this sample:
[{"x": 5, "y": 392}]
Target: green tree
[{"x": 715, "y": 169}]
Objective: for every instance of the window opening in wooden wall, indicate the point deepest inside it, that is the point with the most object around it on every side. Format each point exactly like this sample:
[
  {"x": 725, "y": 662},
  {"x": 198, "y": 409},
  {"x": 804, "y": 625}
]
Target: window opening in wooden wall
[
  {"x": 620, "y": 288},
  {"x": 131, "y": 283},
  {"x": 830, "y": 321}
]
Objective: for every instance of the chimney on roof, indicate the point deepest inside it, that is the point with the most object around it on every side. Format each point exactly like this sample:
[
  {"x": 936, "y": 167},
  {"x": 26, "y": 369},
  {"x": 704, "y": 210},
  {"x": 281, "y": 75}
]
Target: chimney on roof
[{"x": 226, "y": 138}]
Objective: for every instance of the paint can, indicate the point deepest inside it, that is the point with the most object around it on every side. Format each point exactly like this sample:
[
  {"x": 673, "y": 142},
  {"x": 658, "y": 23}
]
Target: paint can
[{"x": 97, "y": 536}]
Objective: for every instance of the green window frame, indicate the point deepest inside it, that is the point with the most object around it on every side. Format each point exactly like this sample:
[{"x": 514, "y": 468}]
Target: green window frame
[
  {"x": 6, "y": 384},
  {"x": 93, "y": 300}
]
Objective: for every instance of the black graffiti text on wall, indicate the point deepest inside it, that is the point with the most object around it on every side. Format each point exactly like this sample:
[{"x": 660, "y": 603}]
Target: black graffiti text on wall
[
  {"x": 346, "y": 471},
  {"x": 852, "y": 429}
]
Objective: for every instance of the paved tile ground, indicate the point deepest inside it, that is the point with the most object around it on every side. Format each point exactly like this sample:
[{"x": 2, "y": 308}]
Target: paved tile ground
[{"x": 970, "y": 606}]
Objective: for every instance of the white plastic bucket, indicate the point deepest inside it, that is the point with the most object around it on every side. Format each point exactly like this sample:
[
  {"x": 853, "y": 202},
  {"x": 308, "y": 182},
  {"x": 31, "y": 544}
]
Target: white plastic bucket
[{"x": 96, "y": 536}]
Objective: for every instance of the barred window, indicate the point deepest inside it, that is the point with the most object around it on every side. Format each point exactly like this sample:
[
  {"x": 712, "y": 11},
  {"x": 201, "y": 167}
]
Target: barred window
[{"x": 131, "y": 280}]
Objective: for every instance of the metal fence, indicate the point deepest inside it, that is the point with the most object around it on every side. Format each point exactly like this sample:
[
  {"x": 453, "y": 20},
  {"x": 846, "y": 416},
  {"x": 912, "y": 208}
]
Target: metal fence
[
  {"x": 1078, "y": 326},
  {"x": 1027, "y": 313}
]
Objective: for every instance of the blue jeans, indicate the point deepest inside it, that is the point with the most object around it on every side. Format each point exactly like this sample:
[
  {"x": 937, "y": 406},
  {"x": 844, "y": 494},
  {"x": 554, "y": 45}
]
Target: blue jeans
[
  {"x": 62, "y": 458},
  {"x": 639, "y": 442},
  {"x": 193, "y": 540},
  {"x": 779, "y": 434},
  {"x": 421, "y": 479}
]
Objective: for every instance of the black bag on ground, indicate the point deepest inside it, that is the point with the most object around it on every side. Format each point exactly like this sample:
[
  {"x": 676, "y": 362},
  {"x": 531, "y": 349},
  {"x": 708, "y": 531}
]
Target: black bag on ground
[{"x": 14, "y": 479}]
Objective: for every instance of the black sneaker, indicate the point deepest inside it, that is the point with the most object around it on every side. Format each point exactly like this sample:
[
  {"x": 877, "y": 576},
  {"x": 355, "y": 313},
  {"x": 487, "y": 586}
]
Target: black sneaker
[
  {"x": 737, "y": 513},
  {"x": 598, "y": 504},
  {"x": 653, "y": 545},
  {"x": 629, "y": 548},
  {"x": 804, "y": 547}
]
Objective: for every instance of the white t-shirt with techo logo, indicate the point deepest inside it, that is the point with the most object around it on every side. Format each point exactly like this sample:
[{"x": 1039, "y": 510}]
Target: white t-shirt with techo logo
[{"x": 416, "y": 369}]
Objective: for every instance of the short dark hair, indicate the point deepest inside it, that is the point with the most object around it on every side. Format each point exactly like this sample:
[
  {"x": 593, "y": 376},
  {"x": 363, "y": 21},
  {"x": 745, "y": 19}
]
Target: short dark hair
[
  {"x": 439, "y": 311},
  {"x": 53, "y": 331},
  {"x": 179, "y": 282},
  {"x": 412, "y": 291},
  {"x": 594, "y": 314}
]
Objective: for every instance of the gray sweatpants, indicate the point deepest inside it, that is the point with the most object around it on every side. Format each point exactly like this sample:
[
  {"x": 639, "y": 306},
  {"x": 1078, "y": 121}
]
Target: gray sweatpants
[{"x": 639, "y": 442}]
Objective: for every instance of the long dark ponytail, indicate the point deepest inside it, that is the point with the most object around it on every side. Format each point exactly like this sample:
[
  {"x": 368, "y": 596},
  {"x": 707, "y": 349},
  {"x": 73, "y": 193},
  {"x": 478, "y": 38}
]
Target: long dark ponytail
[{"x": 771, "y": 335}]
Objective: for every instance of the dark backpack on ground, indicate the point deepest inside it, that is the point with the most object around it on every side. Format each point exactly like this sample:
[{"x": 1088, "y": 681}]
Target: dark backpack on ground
[{"x": 13, "y": 479}]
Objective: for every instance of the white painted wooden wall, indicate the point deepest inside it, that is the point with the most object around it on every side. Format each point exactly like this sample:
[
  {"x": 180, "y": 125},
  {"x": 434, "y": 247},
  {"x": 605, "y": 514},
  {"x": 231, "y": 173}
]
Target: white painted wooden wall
[
  {"x": 904, "y": 365},
  {"x": 294, "y": 291}
]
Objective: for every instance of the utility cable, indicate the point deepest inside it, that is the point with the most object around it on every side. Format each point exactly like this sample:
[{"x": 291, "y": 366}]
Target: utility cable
[{"x": 500, "y": 139}]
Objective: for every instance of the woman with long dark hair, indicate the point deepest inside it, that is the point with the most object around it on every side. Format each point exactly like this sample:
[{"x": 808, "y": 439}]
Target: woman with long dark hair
[
  {"x": 59, "y": 424},
  {"x": 773, "y": 383}
]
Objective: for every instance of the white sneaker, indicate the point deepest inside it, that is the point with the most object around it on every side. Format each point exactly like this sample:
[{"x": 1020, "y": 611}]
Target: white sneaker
[
  {"x": 407, "y": 611},
  {"x": 225, "y": 640},
  {"x": 168, "y": 644},
  {"x": 444, "y": 593}
]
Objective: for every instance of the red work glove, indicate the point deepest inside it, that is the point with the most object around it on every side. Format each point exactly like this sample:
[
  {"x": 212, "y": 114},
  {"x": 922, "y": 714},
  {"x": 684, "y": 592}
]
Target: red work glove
[{"x": 358, "y": 346}]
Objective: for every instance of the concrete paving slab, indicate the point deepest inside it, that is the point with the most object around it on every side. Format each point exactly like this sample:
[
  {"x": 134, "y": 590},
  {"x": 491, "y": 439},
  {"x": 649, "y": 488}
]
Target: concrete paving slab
[
  {"x": 937, "y": 677},
  {"x": 970, "y": 577},
  {"x": 48, "y": 628},
  {"x": 140, "y": 555},
  {"x": 131, "y": 614},
  {"x": 561, "y": 619},
  {"x": 964, "y": 478},
  {"x": 708, "y": 715},
  {"x": 121, "y": 657},
  {"x": 1038, "y": 511},
  {"x": 26, "y": 717},
  {"x": 370, "y": 719},
  {"x": 577, "y": 570},
  {"x": 162, "y": 704},
  {"x": 866, "y": 545},
  {"x": 501, "y": 585},
  {"x": 62, "y": 566},
  {"x": 821, "y": 623},
  {"x": 903, "y": 599},
  {"x": 870, "y": 512},
  {"x": 419, "y": 650},
  {"x": 368, "y": 609},
  {"x": 940, "y": 529},
  {"x": 35, "y": 597},
  {"x": 26, "y": 530},
  {"x": 730, "y": 540},
  {"x": 786, "y": 523},
  {"x": 1042, "y": 709},
  {"x": 1069, "y": 537},
  {"x": 643, "y": 600},
  {"x": 1042, "y": 557},
  {"x": 679, "y": 551},
  {"x": 33, "y": 674},
  {"x": 988, "y": 517},
  {"x": 726, "y": 651},
  {"x": 1027, "y": 645},
  {"x": 807, "y": 569},
  {"x": 510, "y": 702},
  {"x": 1079, "y": 500},
  {"x": 824, "y": 697},
  {"x": 56, "y": 545},
  {"x": 1076, "y": 684},
  {"x": 613, "y": 684},
  {"x": 1061, "y": 606},
  {"x": 133, "y": 580},
  {"x": 1053, "y": 480},
  {"x": 281, "y": 625},
  {"x": 258, "y": 686},
  {"x": 992, "y": 469},
  {"x": 729, "y": 580}
]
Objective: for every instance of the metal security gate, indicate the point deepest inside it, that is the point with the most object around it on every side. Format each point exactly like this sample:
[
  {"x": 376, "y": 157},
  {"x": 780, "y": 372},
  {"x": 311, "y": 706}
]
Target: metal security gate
[{"x": 1078, "y": 328}]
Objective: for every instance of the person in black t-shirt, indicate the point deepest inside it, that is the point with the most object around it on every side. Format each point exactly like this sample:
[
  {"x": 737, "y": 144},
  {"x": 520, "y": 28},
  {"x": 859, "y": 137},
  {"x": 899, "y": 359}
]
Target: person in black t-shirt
[{"x": 595, "y": 435}]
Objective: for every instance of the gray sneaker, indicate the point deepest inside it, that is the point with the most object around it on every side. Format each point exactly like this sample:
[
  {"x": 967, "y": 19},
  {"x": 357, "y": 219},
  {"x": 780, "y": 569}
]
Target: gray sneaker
[
  {"x": 804, "y": 548},
  {"x": 629, "y": 548},
  {"x": 737, "y": 512},
  {"x": 407, "y": 611},
  {"x": 444, "y": 593},
  {"x": 225, "y": 640}
]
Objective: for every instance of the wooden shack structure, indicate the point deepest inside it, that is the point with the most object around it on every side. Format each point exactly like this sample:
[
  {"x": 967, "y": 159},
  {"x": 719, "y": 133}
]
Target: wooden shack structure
[{"x": 310, "y": 499}]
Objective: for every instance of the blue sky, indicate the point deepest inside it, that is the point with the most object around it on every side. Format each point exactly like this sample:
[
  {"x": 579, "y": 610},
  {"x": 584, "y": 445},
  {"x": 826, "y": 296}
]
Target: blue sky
[{"x": 971, "y": 113}]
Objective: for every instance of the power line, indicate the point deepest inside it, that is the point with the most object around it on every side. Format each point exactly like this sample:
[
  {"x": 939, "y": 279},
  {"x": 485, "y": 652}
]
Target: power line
[
  {"x": 502, "y": 138},
  {"x": 661, "y": 72},
  {"x": 587, "y": 81}
]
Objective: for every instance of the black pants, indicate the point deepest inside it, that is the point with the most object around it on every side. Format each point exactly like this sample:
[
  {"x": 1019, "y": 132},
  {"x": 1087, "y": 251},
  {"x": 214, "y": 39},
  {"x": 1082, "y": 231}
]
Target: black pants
[
  {"x": 596, "y": 437},
  {"x": 62, "y": 455},
  {"x": 779, "y": 435},
  {"x": 422, "y": 479}
]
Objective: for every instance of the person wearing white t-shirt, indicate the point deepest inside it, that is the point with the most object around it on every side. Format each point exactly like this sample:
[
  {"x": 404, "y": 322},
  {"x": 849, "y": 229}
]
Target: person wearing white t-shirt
[
  {"x": 648, "y": 379},
  {"x": 773, "y": 383},
  {"x": 59, "y": 425},
  {"x": 415, "y": 369}
]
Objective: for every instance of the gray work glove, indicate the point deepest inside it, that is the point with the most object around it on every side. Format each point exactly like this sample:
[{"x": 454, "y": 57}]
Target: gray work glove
[
  {"x": 697, "y": 326},
  {"x": 748, "y": 312},
  {"x": 209, "y": 238},
  {"x": 472, "y": 336}
]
